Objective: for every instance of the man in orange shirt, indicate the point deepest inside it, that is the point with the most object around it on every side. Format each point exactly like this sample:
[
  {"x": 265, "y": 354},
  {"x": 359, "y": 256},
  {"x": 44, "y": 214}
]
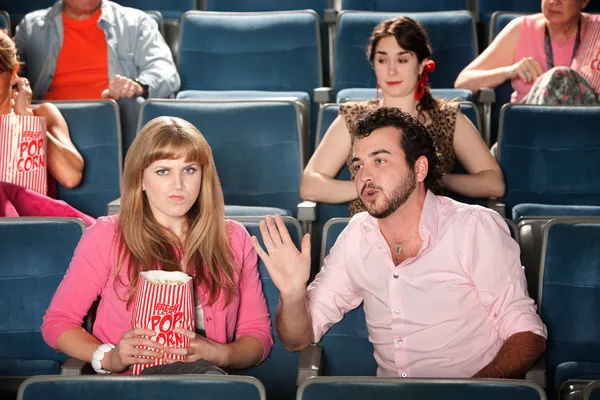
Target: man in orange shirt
[{"x": 94, "y": 49}]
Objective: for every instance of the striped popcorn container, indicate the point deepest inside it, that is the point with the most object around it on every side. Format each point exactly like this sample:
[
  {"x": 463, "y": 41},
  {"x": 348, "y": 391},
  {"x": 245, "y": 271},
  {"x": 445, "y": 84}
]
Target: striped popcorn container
[
  {"x": 587, "y": 59},
  {"x": 163, "y": 301},
  {"x": 23, "y": 151}
]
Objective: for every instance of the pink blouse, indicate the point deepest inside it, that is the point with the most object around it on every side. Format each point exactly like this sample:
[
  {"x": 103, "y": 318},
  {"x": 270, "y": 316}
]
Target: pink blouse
[{"x": 91, "y": 274}]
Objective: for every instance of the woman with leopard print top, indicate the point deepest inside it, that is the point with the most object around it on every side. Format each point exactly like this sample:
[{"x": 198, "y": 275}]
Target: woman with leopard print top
[{"x": 400, "y": 52}]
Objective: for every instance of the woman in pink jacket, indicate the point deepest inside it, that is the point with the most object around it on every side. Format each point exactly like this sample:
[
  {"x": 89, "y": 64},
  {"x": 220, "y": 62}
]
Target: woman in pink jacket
[{"x": 172, "y": 218}]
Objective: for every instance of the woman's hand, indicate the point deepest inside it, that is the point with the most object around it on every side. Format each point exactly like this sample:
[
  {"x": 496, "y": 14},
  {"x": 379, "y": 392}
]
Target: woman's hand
[
  {"x": 127, "y": 351},
  {"x": 200, "y": 348},
  {"x": 21, "y": 97},
  {"x": 527, "y": 70}
]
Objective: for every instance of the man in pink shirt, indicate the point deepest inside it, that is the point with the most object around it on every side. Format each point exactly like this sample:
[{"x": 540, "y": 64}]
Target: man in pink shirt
[{"x": 443, "y": 288}]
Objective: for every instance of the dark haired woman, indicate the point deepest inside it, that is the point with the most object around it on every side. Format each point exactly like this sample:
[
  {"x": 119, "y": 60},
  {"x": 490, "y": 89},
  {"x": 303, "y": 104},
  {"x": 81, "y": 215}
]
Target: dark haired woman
[{"x": 400, "y": 53}]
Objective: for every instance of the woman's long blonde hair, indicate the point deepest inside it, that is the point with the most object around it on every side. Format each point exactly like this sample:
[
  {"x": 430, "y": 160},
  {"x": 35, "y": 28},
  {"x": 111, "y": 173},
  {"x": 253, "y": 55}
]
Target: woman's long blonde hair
[{"x": 143, "y": 244}]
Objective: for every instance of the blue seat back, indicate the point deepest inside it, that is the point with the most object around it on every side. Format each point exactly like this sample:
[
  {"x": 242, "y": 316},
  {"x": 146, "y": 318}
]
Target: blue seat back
[
  {"x": 36, "y": 253},
  {"x": 18, "y": 9},
  {"x": 405, "y": 5},
  {"x": 351, "y": 332},
  {"x": 499, "y": 20},
  {"x": 278, "y": 371},
  {"x": 549, "y": 155},
  {"x": 353, "y": 70},
  {"x": 276, "y": 51},
  {"x": 570, "y": 291},
  {"x": 266, "y": 5},
  {"x": 172, "y": 9},
  {"x": 96, "y": 133},
  {"x": 257, "y": 146},
  {"x": 416, "y": 389},
  {"x": 488, "y": 7},
  {"x": 4, "y": 20},
  {"x": 152, "y": 387}
]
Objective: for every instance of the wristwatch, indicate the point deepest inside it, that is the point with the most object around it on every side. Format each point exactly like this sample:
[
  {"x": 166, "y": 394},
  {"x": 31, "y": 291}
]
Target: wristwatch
[
  {"x": 98, "y": 356},
  {"x": 145, "y": 89}
]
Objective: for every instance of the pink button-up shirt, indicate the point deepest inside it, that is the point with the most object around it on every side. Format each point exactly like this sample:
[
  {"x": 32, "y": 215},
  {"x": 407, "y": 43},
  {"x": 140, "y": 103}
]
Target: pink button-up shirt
[
  {"x": 445, "y": 312},
  {"x": 91, "y": 274}
]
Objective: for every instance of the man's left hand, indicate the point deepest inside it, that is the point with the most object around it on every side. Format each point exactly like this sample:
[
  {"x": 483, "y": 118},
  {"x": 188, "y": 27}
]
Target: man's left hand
[{"x": 122, "y": 87}]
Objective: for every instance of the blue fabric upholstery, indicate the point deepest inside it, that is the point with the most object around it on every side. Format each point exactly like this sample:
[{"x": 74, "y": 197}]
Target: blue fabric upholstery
[
  {"x": 276, "y": 51},
  {"x": 245, "y": 211},
  {"x": 504, "y": 91},
  {"x": 405, "y": 5},
  {"x": 500, "y": 19},
  {"x": 266, "y": 5},
  {"x": 278, "y": 371},
  {"x": 332, "y": 231},
  {"x": 488, "y": 7},
  {"x": 95, "y": 130},
  {"x": 549, "y": 210},
  {"x": 256, "y": 146},
  {"x": 173, "y": 9},
  {"x": 35, "y": 256},
  {"x": 350, "y": 333},
  {"x": 18, "y": 9},
  {"x": 549, "y": 155},
  {"x": 353, "y": 70},
  {"x": 4, "y": 20},
  {"x": 371, "y": 94},
  {"x": 279, "y": 5},
  {"x": 417, "y": 389},
  {"x": 570, "y": 293},
  {"x": 150, "y": 387}
]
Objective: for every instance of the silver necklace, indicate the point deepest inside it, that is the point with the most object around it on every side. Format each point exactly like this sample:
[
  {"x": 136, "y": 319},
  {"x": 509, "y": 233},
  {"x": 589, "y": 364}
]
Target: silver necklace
[{"x": 399, "y": 245}]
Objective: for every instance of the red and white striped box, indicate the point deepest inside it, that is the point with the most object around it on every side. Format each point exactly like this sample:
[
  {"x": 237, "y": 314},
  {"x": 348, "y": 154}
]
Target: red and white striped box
[
  {"x": 587, "y": 59},
  {"x": 23, "y": 151},
  {"x": 164, "y": 300}
]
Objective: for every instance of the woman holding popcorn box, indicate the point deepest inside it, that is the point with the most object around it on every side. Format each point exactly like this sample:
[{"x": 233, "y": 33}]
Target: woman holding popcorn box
[
  {"x": 36, "y": 150},
  {"x": 176, "y": 280}
]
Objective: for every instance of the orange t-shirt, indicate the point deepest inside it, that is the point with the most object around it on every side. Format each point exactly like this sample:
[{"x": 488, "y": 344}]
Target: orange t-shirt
[{"x": 82, "y": 65}]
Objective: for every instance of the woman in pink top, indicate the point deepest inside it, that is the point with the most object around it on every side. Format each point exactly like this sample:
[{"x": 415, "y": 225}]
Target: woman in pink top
[
  {"x": 530, "y": 46},
  {"x": 172, "y": 218}
]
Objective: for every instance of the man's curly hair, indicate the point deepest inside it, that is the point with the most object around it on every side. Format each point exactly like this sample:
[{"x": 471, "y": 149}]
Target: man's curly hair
[{"x": 415, "y": 139}]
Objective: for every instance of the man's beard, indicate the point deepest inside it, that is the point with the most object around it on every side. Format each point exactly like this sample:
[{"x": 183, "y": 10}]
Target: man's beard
[{"x": 397, "y": 198}]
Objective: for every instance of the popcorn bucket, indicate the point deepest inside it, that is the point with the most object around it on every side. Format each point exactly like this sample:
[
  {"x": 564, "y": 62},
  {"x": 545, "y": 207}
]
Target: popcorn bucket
[
  {"x": 163, "y": 301},
  {"x": 23, "y": 151}
]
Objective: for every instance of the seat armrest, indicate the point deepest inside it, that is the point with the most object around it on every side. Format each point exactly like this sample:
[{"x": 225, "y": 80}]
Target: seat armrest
[
  {"x": 310, "y": 362},
  {"x": 486, "y": 98},
  {"x": 330, "y": 16},
  {"x": 323, "y": 95},
  {"x": 497, "y": 206},
  {"x": 487, "y": 95},
  {"x": 114, "y": 206},
  {"x": 537, "y": 374},
  {"x": 74, "y": 366},
  {"x": 307, "y": 211}
]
